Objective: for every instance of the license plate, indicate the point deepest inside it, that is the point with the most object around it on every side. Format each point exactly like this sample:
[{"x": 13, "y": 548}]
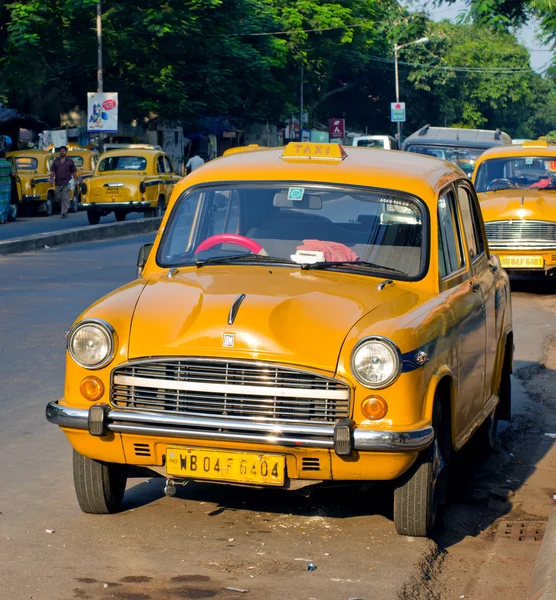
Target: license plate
[
  {"x": 219, "y": 465},
  {"x": 113, "y": 191},
  {"x": 522, "y": 262}
]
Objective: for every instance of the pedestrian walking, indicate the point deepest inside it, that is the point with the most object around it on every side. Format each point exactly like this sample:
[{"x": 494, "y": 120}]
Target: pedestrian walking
[
  {"x": 194, "y": 163},
  {"x": 61, "y": 172},
  {"x": 6, "y": 172}
]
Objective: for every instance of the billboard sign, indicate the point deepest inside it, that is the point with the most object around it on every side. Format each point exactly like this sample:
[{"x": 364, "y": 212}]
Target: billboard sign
[
  {"x": 397, "y": 112},
  {"x": 102, "y": 112},
  {"x": 337, "y": 128}
]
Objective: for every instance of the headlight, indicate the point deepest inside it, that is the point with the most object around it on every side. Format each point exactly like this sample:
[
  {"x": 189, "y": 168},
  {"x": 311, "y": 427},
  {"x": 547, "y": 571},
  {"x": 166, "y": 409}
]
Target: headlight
[
  {"x": 375, "y": 362},
  {"x": 91, "y": 343}
]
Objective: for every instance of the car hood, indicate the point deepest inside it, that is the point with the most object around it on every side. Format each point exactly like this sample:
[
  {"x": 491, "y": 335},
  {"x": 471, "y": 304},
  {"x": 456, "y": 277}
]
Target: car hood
[
  {"x": 287, "y": 315},
  {"x": 518, "y": 204}
]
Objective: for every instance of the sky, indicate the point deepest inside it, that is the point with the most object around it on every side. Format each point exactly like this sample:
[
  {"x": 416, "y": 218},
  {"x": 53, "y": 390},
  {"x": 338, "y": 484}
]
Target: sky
[{"x": 541, "y": 55}]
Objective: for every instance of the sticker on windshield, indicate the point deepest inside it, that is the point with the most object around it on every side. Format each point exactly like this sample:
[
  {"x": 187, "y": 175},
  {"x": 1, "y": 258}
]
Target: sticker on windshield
[
  {"x": 296, "y": 194},
  {"x": 528, "y": 161},
  {"x": 552, "y": 165}
]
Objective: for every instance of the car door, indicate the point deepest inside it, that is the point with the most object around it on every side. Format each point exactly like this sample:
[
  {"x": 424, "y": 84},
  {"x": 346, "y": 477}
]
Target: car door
[
  {"x": 456, "y": 286},
  {"x": 170, "y": 177},
  {"x": 162, "y": 177},
  {"x": 483, "y": 279}
]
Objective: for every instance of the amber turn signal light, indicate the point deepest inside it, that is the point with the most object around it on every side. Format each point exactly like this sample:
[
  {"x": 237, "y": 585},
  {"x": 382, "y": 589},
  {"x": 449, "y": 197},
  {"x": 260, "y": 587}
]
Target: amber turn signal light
[
  {"x": 92, "y": 388},
  {"x": 374, "y": 408}
]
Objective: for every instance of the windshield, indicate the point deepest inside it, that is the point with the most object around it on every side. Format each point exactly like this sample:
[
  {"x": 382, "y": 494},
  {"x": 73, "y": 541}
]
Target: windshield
[
  {"x": 371, "y": 143},
  {"x": 77, "y": 160},
  {"x": 520, "y": 172},
  {"x": 123, "y": 163},
  {"x": 299, "y": 225},
  {"x": 24, "y": 163},
  {"x": 464, "y": 158}
]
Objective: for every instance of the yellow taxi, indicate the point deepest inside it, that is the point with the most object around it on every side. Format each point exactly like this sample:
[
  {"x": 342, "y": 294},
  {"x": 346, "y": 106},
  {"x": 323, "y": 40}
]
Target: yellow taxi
[
  {"x": 129, "y": 180},
  {"x": 517, "y": 191},
  {"x": 306, "y": 314},
  {"x": 32, "y": 172}
]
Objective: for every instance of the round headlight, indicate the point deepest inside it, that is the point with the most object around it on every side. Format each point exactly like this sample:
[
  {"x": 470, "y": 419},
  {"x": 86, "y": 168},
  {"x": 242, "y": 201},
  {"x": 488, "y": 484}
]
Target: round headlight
[
  {"x": 375, "y": 362},
  {"x": 91, "y": 344}
]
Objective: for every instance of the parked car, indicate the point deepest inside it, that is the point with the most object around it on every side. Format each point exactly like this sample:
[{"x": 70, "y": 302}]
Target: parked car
[
  {"x": 35, "y": 193},
  {"x": 387, "y": 142},
  {"x": 460, "y": 146},
  {"x": 306, "y": 314},
  {"x": 129, "y": 180},
  {"x": 517, "y": 192}
]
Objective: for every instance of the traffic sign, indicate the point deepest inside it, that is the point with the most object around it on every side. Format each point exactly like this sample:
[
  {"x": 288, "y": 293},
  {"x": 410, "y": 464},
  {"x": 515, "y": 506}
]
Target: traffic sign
[
  {"x": 337, "y": 128},
  {"x": 397, "y": 112}
]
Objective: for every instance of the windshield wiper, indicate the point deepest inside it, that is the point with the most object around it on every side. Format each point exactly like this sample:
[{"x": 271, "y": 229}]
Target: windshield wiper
[
  {"x": 242, "y": 258},
  {"x": 349, "y": 263}
]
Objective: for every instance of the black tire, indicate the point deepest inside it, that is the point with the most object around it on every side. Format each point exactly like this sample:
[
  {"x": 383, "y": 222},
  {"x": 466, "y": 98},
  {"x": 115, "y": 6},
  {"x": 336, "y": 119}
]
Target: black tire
[
  {"x": 120, "y": 215},
  {"x": 14, "y": 212},
  {"x": 93, "y": 217},
  {"x": 421, "y": 489},
  {"x": 48, "y": 206},
  {"x": 149, "y": 213},
  {"x": 159, "y": 210},
  {"x": 99, "y": 486},
  {"x": 73, "y": 204}
]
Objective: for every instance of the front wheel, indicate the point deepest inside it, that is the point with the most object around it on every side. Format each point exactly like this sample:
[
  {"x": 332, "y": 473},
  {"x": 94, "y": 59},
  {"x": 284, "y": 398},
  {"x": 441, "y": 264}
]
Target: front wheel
[
  {"x": 419, "y": 491},
  {"x": 48, "y": 206},
  {"x": 99, "y": 486},
  {"x": 74, "y": 204},
  {"x": 93, "y": 216}
]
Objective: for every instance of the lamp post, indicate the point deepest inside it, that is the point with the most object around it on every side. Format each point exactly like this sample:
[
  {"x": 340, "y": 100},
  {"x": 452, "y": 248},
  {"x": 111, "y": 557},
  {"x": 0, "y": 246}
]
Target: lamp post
[{"x": 398, "y": 47}]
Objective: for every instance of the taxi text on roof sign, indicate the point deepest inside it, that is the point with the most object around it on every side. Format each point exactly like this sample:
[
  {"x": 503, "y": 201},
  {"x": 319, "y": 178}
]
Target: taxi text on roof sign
[{"x": 311, "y": 151}]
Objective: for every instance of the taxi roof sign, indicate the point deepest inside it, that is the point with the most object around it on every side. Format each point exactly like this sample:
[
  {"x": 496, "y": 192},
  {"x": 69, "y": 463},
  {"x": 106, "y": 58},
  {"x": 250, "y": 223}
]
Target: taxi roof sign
[
  {"x": 535, "y": 144},
  {"x": 313, "y": 151}
]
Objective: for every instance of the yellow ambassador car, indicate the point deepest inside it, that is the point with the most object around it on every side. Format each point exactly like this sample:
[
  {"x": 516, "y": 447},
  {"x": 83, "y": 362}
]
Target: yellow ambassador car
[
  {"x": 305, "y": 315},
  {"x": 517, "y": 191},
  {"x": 33, "y": 180},
  {"x": 129, "y": 180}
]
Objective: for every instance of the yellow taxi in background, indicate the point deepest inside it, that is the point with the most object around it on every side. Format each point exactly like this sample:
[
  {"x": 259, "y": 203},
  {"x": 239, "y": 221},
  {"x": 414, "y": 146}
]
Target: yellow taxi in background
[
  {"x": 306, "y": 314},
  {"x": 517, "y": 191},
  {"x": 33, "y": 181},
  {"x": 129, "y": 180}
]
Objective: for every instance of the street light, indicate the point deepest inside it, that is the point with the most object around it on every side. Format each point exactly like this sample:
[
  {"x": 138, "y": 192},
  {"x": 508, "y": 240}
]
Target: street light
[{"x": 396, "y": 48}]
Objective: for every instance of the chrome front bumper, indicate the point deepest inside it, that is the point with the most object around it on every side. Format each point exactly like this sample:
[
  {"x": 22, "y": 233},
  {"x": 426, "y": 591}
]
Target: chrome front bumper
[
  {"x": 113, "y": 205},
  {"x": 181, "y": 426}
]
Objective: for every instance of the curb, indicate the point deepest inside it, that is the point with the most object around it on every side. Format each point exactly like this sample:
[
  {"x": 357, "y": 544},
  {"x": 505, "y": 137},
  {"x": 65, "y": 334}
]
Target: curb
[
  {"x": 79, "y": 234},
  {"x": 543, "y": 586}
]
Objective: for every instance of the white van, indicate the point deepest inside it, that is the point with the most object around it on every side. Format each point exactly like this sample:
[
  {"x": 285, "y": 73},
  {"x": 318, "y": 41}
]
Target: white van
[{"x": 385, "y": 142}]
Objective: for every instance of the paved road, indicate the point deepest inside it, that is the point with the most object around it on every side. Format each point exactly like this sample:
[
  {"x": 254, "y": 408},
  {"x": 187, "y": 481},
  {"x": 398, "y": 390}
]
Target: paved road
[
  {"x": 33, "y": 225},
  {"x": 194, "y": 545}
]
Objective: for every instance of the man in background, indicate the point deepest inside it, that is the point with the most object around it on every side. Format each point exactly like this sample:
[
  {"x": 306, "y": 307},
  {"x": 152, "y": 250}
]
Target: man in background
[
  {"x": 62, "y": 171},
  {"x": 6, "y": 172},
  {"x": 194, "y": 163}
]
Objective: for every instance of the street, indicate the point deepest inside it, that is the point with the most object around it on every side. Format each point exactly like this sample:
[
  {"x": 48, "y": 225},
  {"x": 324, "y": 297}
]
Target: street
[
  {"x": 34, "y": 225},
  {"x": 211, "y": 537}
]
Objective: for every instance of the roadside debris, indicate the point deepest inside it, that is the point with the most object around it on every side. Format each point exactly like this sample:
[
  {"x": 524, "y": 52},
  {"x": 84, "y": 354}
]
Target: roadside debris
[
  {"x": 50, "y": 531},
  {"x": 231, "y": 588},
  {"x": 311, "y": 567}
]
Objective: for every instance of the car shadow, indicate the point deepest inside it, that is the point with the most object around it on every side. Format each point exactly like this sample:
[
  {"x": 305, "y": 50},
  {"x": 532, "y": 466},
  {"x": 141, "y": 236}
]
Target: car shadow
[{"x": 533, "y": 283}]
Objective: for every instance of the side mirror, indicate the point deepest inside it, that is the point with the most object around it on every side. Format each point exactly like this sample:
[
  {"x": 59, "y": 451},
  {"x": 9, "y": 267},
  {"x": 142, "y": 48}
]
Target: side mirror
[{"x": 142, "y": 258}]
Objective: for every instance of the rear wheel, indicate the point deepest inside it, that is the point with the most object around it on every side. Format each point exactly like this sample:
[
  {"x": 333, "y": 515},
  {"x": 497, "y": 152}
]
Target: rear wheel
[
  {"x": 93, "y": 216},
  {"x": 99, "y": 486},
  {"x": 422, "y": 488},
  {"x": 120, "y": 215},
  {"x": 159, "y": 210}
]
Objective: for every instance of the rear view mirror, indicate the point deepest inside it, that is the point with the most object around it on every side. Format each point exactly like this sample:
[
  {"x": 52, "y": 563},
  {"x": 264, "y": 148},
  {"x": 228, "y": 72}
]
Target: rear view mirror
[{"x": 142, "y": 258}]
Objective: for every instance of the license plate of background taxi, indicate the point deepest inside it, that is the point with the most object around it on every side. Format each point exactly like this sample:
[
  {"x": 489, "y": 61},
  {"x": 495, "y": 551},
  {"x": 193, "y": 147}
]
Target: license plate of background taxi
[
  {"x": 112, "y": 191},
  {"x": 522, "y": 262},
  {"x": 222, "y": 465}
]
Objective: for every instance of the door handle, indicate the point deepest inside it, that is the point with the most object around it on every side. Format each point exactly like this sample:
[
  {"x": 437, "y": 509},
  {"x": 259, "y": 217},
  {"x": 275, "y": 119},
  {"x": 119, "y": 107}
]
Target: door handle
[
  {"x": 492, "y": 267},
  {"x": 475, "y": 287}
]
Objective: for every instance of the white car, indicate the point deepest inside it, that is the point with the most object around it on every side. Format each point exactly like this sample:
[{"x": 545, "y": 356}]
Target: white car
[{"x": 386, "y": 142}]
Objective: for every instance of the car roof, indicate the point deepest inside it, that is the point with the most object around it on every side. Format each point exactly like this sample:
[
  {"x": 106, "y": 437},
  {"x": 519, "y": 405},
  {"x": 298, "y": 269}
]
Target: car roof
[
  {"x": 132, "y": 152},
  {"x": 525, "y": 149},
  {"x": 384, "y": 169},
  {"x": 448, "y": 135},
  {"x": 35, "y": 153}
]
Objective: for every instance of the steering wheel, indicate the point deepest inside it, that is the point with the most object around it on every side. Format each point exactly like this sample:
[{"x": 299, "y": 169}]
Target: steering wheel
[
  {"x": 496, "y": 182},
  {"x": 231, "y": 238}
]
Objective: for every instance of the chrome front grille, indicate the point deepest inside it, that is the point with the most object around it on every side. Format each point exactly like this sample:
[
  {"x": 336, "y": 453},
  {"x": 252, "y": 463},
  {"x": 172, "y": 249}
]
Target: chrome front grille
[
  {"x": 524, "y": 234},
  {"x": 250, "y": 395}
]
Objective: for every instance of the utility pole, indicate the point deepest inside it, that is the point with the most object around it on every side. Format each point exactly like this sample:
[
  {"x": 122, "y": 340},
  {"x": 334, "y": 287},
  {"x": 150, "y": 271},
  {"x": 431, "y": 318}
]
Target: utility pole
[
  {"x": 99, "y": 47},
  {"x": 301, "y": 107}
]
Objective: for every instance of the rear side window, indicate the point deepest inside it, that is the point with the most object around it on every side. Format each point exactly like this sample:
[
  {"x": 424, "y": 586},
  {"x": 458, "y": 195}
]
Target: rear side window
[
  {"x": 450, "y": 250},
  {"x": 471, "y": 226}
]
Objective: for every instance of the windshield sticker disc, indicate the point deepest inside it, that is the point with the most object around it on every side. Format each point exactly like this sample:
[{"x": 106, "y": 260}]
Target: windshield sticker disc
[{"x": 295, "y": 194}]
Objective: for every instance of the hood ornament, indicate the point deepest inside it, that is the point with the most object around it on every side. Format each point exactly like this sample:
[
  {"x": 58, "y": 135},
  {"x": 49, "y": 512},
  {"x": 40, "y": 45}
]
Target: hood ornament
[
  {"x": 234, "y": 310},
  {"x": 228, "y": 340}
]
